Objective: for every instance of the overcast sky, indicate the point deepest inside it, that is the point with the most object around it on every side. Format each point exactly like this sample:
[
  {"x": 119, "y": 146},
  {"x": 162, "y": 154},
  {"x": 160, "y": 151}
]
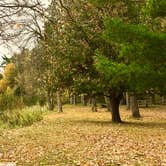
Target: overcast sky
[{"x": 11, "y": 48}]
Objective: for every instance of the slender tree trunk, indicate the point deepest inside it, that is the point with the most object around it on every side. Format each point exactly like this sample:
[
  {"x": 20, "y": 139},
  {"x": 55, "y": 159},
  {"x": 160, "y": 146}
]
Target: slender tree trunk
[
  {"x": 147, "y": 100},
  {"x": 123, "y": 100},
  {"x": 89, "y": 100},
  {"x": 163, "y": 100},
  {"x": 115, "y": 101},
  {"x": 94, "y": 105},
  {"x": 74, "y": 99},
  {"x": 127, "y": 100},
  {"x": 153, "y": 99},
  {"x": 59, "y": 102},
  {"x": 134, "y": 106},
  {"x": 70, "y": 99},
  {"x": 83, "y": 102},
  {"x": 108, "y": 103},
  {"x": 50, "y": 100}
]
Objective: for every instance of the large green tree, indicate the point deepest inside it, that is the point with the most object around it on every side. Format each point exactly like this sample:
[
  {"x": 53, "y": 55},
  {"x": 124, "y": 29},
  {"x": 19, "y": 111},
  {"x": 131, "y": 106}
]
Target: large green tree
[{"x": 138, "y": 61}]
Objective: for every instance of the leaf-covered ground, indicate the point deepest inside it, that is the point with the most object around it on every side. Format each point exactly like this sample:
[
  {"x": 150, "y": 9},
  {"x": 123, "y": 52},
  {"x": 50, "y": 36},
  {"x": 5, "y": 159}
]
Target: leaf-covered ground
[{"x": 80, "y": 137}]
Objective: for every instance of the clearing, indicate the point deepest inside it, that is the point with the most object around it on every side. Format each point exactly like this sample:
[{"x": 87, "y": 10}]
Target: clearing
[{"x": 80, "y": 137}]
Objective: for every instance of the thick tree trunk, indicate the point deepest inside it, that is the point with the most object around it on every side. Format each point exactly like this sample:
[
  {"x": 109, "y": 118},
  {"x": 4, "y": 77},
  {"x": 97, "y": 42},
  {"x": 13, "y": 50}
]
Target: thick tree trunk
[
  {"x": 134, "y": 106},
  {"x": 108, "y": 103},
  {"x": 59, "y": 102},
  {"x": 50, "y": 100},
  {"x": 127, "y": 100},
  {"x": 94, "y": 105},
  {"x": 115, "y": 101}
]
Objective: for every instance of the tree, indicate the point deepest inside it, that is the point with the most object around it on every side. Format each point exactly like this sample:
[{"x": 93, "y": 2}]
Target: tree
[
  {"x": 20, "y": 21},
  {"x": 71, "y": 46},
  {"x": 134, "y": 106},
  {"x": 10, "y": 74},
  {"x": 134, "y": 66},
  {"x": 3, "y": 86}
]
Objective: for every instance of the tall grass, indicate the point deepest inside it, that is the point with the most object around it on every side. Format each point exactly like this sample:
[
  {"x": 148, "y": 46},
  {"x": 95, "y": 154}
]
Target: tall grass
[{"x": 21, "y": 117}]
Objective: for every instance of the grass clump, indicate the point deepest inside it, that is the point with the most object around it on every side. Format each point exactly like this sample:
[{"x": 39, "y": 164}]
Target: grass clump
[{"x": 20, "y": 117}]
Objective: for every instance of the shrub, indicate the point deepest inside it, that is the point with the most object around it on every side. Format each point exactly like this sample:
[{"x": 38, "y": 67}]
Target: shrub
[
  {"x": 24, "y": 117},
  {"x": 30, "y": 100},
  {"x": 42, "y": 100}
]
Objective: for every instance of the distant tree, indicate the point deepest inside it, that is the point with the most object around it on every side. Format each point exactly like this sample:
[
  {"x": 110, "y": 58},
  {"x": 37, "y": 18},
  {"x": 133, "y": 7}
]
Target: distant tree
[{"x": 10, "y": 74}]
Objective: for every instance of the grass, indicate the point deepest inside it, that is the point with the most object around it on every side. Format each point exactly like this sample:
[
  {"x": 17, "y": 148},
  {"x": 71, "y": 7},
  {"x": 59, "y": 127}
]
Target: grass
[
  {"x": 19, "y": 118},
  {"x": 80, "y": 137}
]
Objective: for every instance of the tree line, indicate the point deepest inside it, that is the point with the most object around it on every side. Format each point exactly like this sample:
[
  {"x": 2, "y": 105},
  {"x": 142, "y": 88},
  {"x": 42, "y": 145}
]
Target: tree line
[{"x": 95, "y": 48}]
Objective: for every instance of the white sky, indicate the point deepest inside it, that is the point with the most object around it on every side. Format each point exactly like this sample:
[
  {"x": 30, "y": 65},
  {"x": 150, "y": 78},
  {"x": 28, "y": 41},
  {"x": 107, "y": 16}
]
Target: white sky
[{"x": 12, "y": 48}]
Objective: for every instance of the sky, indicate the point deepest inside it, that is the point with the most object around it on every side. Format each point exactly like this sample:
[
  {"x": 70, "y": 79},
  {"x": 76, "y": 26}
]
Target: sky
[{"x": 9, "y": 49}]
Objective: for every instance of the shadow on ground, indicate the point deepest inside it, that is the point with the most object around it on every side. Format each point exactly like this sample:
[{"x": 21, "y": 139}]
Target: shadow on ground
[{"x": 138, "y": 123}]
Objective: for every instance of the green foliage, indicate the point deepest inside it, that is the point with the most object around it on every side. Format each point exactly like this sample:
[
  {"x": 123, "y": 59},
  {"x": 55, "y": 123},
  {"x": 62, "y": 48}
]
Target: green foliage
[
  {"x": 155, "y": 8},
  {"x": 114, "y": 73},
  {"x": 30, "y": 100},
  {"x": 42, "y": 100},
  {"x": 9, "y": 101},
  {"x": 139, "y": 50},
  {"x": 24, "y": 117},
  {"x": 119, "y": 31}
]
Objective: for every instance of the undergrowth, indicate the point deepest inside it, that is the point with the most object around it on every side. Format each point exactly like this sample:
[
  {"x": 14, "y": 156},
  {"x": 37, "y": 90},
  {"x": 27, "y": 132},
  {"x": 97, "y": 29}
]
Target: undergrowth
[{"x": 20, "y": 117}]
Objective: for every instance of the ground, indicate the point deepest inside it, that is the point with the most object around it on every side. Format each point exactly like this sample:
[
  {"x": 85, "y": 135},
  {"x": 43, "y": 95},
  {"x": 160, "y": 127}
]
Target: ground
[{"x": 80, "y": 137}]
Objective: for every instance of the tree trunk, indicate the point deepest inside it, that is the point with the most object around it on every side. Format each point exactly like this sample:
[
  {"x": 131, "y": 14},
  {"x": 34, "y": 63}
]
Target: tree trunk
[
  {"x": 89, "y": 100},
  {"x": 83, "y": 102},
  {"x": 147, "y": 100},
  {"x": 94, "y": 105},
  {"x": 115, "y": 101},
  {"x": 127, "y": 100},
  {"x": 163, "y": 100},
  {"x": 74, "y": 99},
  {"x": 70, "y": 99},
  {"x": 134, "y": 106},
  {"x": 50, "y": 100},
  {"x": 59, "y": 102},
  {"x": 153, "y": 99},
  {"x": 108, "y": 103},
  {"x": 123, "y": 100}
]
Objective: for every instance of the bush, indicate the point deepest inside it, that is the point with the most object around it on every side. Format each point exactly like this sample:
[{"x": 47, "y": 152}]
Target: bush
[
  {"x": 8, "y": 101},
  {"x": 24, "y": 117},
  {"x": 30, "y": 100},
  {"x": 42, "y": 100}
]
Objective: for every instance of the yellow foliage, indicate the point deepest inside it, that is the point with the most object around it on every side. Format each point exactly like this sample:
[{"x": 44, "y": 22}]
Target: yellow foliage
[
  {"x": 9, "y": 70},
  {"x": 3, "y": 85},
  {"x": 10, "y": 73},
  {"x": 9, "y": 91}
]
